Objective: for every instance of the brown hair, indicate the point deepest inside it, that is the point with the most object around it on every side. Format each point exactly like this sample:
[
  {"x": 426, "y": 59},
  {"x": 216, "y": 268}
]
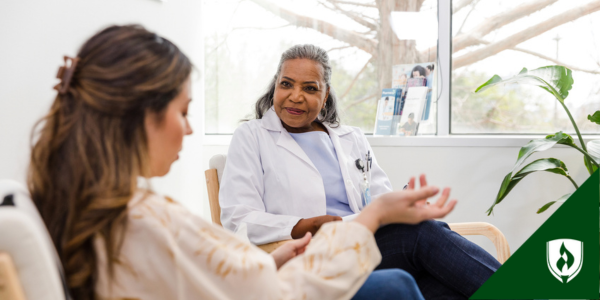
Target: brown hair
[{"x": 91, "y": 146}]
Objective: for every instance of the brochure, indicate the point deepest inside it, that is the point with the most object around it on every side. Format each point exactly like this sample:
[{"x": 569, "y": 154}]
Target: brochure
[
  {"x": 416, "y": 97},
  {"x": 388, "y": 112},
  {"x": 413, "y": 75}
]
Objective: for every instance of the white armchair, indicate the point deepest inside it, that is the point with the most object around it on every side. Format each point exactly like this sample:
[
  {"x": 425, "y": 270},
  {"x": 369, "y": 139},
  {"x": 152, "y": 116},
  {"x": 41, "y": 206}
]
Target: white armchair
[{"x": 29, "y": 266}]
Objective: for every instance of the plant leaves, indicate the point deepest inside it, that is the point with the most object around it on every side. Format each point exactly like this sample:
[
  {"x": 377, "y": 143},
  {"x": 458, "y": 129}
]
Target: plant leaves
[
  {"x": 593, "y": 149},
  {"x": 547, "y": 205},
  {"x": 595, "y": 117},
  {"x": 552, "y": 165},
  {"x": 538, "y": 145},
  {"x": 557, "y": 80}
]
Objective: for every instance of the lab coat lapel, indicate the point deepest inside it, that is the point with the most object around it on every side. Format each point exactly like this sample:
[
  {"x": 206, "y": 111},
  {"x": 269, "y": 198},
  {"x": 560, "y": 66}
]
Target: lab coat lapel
[
  {"x": 272, "y": 122},
  {"x": 343, "y": 149}
]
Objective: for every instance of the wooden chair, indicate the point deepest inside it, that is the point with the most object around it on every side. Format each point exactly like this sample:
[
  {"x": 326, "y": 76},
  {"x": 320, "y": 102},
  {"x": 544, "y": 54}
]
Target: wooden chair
[
  {"x": 10, "y": 285},
  {"x": 215, "y": 172}
]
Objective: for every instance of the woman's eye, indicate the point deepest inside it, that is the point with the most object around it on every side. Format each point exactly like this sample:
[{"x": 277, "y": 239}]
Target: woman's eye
[
  {"x": 286, "y": 84},
  {"x": 311, "y": 88}
]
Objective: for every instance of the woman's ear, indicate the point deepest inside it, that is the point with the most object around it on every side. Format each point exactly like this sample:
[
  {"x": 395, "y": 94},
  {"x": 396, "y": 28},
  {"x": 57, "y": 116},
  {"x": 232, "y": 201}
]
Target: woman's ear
[{"x": 326, "y": 97}]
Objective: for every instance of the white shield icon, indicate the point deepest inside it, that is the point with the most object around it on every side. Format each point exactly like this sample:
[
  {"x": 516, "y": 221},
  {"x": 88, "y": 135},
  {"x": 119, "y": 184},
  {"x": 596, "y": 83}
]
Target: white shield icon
[{"x": 564, "y": 258}]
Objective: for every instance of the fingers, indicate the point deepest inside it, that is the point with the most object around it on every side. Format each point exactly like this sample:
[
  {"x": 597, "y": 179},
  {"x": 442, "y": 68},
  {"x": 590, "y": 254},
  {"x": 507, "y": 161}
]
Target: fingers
[
  {"x": 423, "y": 180},
  {"x": 443, "y": 198},
  {"x": 421, "y": 194},
  {"x": 337, "y": 218},
  {"x": 301, "y": 243},
  {"x": 411, "y": 183}
]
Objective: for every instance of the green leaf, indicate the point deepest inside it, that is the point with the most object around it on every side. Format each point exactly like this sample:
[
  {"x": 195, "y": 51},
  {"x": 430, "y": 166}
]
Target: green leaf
[
  {"x": 547, "y": 205},
  {"x": 538, "y": 145},
  {"x": 557, "y": 80},
  {"x": 552, "y": 165},
  {"x": 593, "y": 149},
  {"x": 595, "y": 117}
]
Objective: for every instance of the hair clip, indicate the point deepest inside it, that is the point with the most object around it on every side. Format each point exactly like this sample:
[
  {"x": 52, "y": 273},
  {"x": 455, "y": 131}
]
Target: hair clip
[{"x": 65, "y": 73}]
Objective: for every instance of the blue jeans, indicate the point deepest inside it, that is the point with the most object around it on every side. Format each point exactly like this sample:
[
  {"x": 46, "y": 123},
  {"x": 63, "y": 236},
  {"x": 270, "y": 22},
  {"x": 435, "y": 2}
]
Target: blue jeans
[
  {"x": 443, "y": 263},
  {"x": 390, "y": 284}
]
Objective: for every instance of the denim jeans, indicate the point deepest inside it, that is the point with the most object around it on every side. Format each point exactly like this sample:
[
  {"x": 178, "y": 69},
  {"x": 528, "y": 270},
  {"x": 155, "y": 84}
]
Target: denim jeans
[
  {"x": 443, "y": 263},
  {"x": 389, "y": 284}
]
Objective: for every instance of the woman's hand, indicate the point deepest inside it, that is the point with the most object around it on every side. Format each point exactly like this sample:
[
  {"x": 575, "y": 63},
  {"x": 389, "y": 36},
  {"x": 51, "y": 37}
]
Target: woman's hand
[
  {"x": 407, "y": 207},
  {"x": 290, "y": 250},
  {"x": 311, "y": 225}
]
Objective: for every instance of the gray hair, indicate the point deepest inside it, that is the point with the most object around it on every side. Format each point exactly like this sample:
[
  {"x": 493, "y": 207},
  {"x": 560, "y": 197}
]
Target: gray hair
[{"x": 316, "y": 54}]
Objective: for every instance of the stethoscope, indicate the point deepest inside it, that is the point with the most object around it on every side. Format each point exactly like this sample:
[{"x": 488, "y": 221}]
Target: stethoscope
[{"x": 365, "y": 167}]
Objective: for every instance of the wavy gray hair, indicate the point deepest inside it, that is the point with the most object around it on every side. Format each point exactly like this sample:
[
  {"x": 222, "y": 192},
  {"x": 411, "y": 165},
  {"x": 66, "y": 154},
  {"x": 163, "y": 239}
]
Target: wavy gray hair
[{"x": 316, "y": 54}]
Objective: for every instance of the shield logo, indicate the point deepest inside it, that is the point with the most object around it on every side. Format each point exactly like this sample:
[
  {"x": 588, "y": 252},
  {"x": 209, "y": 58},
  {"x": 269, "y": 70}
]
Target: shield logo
[{"x": 564, "y": 258}]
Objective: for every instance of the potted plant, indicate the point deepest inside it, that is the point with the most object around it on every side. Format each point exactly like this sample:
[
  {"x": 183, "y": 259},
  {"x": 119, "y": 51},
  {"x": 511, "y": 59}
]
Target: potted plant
[{"x": 556, "y": 80}]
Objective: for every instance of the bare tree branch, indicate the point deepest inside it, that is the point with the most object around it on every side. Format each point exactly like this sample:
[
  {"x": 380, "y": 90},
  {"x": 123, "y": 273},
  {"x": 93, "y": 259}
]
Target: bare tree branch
[
  {"x": 339, "y": 48},
  {"x": 357, "y": 3},
  {"x": 460, "y": 4},
  {"x": 361, "y": 100},
  {"x": 355, "y": 17},
  {"x": 548, "y": 58},
  {"x": 524, "y": 35},
  {"x": 574, "y": 68},
  {"x": 472, "y": 38},
  {"x": 355, "y": 79},
  {"x": 466, "y": 18},
  {"x": 344, "y": 35}
]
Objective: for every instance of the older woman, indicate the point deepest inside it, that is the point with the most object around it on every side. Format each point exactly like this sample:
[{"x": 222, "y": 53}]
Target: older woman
[
  {"x": 293, "y": 169},
  {"x": 121, "y": 114}
]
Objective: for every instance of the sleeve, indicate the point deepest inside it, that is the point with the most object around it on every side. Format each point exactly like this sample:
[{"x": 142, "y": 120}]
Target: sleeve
[
  {"x": 212, "y": 263},
  {"x": 379, "y": 181},
  {"x": 241, "y": 193}
]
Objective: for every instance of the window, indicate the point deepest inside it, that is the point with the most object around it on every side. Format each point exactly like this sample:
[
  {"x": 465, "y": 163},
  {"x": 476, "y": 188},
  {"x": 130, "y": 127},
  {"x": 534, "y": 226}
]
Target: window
[
  {"x": 245, "y": 39},
  {"x": 366, "y": 39},
  {"x": 540, "y": 34}
]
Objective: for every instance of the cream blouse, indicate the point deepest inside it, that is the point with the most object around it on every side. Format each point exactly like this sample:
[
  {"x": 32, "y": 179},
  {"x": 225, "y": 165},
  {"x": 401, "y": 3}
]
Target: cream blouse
[{"x": 169, "y": 253}]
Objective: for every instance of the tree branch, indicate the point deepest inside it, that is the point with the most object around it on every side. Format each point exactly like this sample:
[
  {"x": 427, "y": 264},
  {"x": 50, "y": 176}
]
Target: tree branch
[
  {"x": 460, "y": 4},
  {"x": 355, "y": 78},
  {"x": 355, "y": 17},
  {"x": 524, "y": 35},
  {"x": 472, "y": 38},
  {"x": 344, "y": 35},
  {"x": 554, "y": 60},
  {"x": 357, "y": 3},
  {"x": 361, "y": 100},
  {"x": 548, "y": 58}
]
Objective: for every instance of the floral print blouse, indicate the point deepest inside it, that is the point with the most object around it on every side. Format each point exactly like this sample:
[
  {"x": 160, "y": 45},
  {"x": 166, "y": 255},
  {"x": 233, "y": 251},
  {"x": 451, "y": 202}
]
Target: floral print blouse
[{"x": 169, "y": 253}]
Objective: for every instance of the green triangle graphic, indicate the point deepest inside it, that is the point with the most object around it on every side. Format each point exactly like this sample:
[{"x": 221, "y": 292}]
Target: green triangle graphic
[{"x": 527, "y": 275}]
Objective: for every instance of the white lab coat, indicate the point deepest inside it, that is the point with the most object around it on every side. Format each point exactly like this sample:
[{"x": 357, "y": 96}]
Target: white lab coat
[{"x": 269, "y": 183}]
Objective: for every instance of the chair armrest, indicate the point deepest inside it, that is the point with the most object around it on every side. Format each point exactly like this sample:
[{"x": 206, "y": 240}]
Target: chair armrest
[
  {"x": 272, "y": 246},
  {"x": 488, "y": 230}
]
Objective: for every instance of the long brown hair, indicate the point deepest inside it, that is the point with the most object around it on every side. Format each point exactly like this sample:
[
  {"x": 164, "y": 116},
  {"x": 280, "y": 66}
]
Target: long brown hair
[{"x": 91, "y": 147}]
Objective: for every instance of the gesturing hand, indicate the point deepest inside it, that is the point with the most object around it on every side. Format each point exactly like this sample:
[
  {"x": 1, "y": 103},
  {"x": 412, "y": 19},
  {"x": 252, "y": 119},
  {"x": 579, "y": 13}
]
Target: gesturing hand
[
  {"x": 290, "y": 250},
  {"x": 408, "y": 206}
]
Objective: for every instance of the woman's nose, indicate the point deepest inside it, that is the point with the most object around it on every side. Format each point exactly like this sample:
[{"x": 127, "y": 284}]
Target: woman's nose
[{"x": 297, "y": 96}]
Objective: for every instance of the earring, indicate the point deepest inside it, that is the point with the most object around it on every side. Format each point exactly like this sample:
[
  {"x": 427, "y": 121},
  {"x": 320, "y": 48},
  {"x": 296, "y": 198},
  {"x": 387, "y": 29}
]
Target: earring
[{"x": 324, "y": 112}]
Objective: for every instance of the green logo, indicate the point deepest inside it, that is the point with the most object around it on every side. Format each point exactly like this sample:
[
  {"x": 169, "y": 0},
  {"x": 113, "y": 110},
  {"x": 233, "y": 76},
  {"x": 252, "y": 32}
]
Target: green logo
[{"x": 562, "y": 273}]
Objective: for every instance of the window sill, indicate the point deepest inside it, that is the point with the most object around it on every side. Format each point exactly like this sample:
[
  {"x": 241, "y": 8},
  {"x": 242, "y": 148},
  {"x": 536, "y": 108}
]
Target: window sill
[{"x": 516, "y": 141}]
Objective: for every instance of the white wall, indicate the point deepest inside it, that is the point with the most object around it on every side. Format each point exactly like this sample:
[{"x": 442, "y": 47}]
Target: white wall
[
  {"x": 34, "y": 36},
  {"x": 475, "y": 174}
]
